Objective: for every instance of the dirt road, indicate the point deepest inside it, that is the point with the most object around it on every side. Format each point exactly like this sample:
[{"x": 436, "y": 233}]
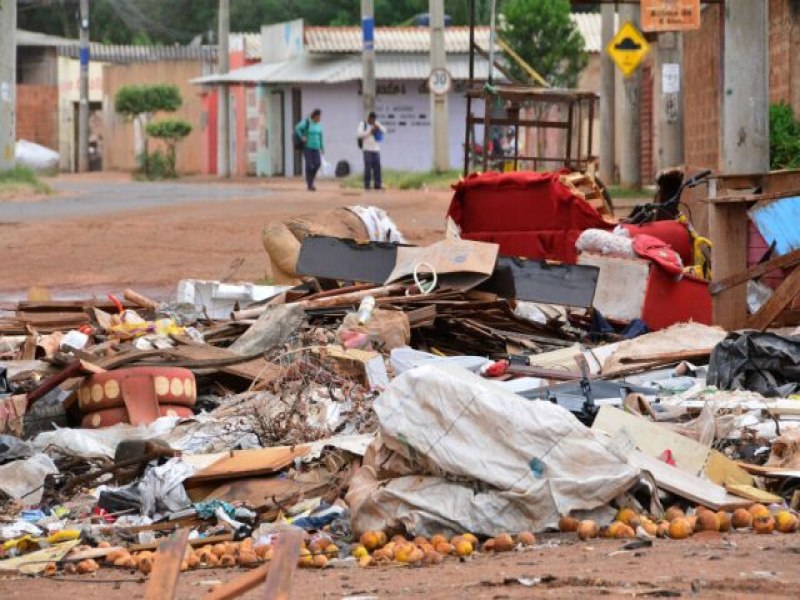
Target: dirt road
[
  {"x": 102, "y": 232},
  {"x": 705, "y": 566}
]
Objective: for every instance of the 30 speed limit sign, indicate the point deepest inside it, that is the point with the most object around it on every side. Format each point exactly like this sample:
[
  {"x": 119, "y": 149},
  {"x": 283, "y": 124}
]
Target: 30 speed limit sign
[{"x": 439, "y": 81}]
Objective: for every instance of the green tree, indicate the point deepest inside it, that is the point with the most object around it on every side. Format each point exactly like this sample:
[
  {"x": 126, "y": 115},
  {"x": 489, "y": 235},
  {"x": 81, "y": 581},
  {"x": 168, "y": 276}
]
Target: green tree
[
  {"x": 139, "y": 103},
  {"x": 170, "y": 131},
  {"x": 544, "y": 35}
]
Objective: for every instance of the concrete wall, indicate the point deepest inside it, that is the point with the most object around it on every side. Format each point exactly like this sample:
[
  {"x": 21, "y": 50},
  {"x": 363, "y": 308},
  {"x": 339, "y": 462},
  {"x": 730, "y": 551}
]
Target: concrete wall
[
  {"x": 404, "y": 109},
  {"x": 37, "y": 114},
  {"x": 119, "y": 143}
]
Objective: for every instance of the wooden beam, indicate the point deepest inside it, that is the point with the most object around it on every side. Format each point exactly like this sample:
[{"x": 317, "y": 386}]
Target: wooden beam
[
  {"x": 284, "y": 564},
  {"x": 778, "y": 302},
  {"x": 781, "y": 262},
  {"x": 167, "y": 567},
  {"x": 728, "y": 232},
  {"x": 238, "y": 586}
]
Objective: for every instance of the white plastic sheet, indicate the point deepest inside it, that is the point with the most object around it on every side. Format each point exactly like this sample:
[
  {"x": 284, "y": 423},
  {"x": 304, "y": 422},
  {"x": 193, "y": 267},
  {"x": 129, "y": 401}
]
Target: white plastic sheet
[
  {"x": 23, "y": 479},
  {"x": 456, "y": 453}
]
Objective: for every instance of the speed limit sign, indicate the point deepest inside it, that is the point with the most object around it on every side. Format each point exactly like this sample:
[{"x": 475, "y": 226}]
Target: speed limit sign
[{"x": 439, "y": 81}]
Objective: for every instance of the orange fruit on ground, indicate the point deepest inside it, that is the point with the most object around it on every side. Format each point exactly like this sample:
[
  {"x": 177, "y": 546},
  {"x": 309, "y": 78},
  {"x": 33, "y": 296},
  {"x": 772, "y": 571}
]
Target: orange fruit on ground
[
  {"x": 626, "y": 515},
  {"x": 382, "y": 538},
  {"x": 305, "y": 560},
  {"x": 432, "y": 558},
  {"x": 724, "y": 521},
  {"x": 359, "y": 551},
  {"x": 764, "y": 524},
  {"x": 463, "y": 547},
  {"x": 246, "y": 558},
  {"x": 526, "y": 538},
  {"x": 742, "y": 519},
  {"x": 674, "y": 512},
  {"x": 416, "y": 555},
  {"x": 370, "y": 540},
  {"x": 445, "y": 548},
  {"x": 471, "y": 539},
  {"x": 403, "y": 552},
  {"x": 650, "y": 527},
  {"x": 381, "y": 554},
  {"x": 662, "y": 530},
  {"x": 759, "y": 510},
  {"x": 692, "y": 519},
  {"x": 320, "y": 561},
  {"x": 332, "y": 551},
  {"x": 786, "y": 522},
  {"x": 438, "y": 539},
  {"x": 587, "y": 529},
  {"x": 707, "y": 521},
  {"x": 680, "y": 529},
  {"x": 421, "y": 541},
  {"x": 567, "y": 524},
  {"x": 488, "y": 545},
  {"x": 227, "y": 560},
  {"x": 365, "y": 561},
  {"x": 503, "y": 543}
]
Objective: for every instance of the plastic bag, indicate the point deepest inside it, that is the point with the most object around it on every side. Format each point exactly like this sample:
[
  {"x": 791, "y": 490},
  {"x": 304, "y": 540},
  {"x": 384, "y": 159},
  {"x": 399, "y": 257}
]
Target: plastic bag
[{"x": 327, "y": 171}]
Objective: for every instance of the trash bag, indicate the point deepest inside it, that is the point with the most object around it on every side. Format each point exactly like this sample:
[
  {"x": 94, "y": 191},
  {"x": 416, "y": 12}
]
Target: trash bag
[
  {"x": 342, "y": 169},
  {"x": 35, "y": 156},
  {"x": 13, "y": 448},
  {"x": 766, "y": 363},
  {"x": 457, "y": 453},
  {"x": 327, "y": 170}
]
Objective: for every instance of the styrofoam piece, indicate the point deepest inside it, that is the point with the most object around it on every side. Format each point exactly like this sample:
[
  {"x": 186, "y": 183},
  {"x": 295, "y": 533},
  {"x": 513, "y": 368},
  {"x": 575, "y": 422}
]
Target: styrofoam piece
[{"x": 220, "y": 299}]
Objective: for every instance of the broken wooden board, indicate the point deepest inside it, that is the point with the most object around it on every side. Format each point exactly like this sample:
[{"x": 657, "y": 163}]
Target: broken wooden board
[
  {"x": 346, "y": 260},
  {"x": 753, "y": 494},
  {"x": 685, "y": 485},
  {"x": 723, "y": 471},
  {"x": 653, "y": 439},
  {"x": 239, "y": 585},
  {"x": 242, "y": 463},
  {"x": 35, "y": 562},
  {"x": 782, "y": 297},
  {"x": 284, "y": 564},
  {"x": 776, "y": 472},
  {"x": 167, "y": 567},
  {"x": 540, "y": 281}
]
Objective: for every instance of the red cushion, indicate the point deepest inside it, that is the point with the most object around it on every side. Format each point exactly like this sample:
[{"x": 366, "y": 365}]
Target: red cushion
[
  {"x": 672, "y": 232},
  {"x": 669, "y": 301}
]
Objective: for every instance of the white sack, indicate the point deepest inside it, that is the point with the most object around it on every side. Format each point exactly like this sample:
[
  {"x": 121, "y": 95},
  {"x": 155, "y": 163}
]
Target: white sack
[
  {"x": 23, "y": 479},
  {"x": 519, "y": 464}
]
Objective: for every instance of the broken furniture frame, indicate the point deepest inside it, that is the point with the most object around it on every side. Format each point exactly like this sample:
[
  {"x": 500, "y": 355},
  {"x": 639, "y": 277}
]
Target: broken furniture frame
[
  {"x": 515, "y": 98},
  {"x": 730, "y": 197}
]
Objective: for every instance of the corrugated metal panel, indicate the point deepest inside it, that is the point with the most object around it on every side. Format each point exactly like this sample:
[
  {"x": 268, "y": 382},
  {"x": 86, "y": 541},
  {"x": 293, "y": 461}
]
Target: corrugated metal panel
[
  {"x": 390, "y": 39},
  {"x": 340, "y": 69},
  {"x": 590, "y": 26}
]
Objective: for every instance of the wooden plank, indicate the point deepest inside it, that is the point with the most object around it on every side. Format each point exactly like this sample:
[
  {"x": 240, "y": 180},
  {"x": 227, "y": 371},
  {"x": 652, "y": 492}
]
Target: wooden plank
[
  {"x": 238, "y": 586},
  {"x": 780, "y": 262},
  {"x": 167, "y": 567},
  {"x": 284, "y": 564},
  {"x": 686, "y": 485},
  {"x": 669, "y": 357},
  {"x": 652, "y": 438},
  {"x": 244, "y": 463},
  {"x": 752, "y": 493},
  {"x": 728, "y": 231},
  {"x": 787, "y": 291}
]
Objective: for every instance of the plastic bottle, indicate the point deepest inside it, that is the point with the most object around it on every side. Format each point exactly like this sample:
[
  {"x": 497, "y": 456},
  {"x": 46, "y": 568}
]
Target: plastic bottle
[{"x": 365, "y": 309}]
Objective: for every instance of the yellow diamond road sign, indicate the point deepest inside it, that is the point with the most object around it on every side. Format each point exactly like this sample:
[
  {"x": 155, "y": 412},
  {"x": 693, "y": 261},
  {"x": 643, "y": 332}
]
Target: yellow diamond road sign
[{"x": 628, "y": 48}]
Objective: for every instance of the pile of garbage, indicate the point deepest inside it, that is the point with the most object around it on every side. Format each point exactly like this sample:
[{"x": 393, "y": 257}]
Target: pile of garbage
[{"x": 397, "y": 404}]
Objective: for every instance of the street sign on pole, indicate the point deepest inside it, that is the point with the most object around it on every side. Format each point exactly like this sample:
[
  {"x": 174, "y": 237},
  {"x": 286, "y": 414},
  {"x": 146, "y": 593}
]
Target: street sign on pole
[
  {"x": 628, "y": 48},
  {"x": 670, "y": 15},
  {"x": 439, "y": 81}
]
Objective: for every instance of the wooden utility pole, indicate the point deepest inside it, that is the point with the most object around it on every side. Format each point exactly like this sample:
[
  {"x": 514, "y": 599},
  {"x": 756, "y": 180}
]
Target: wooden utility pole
[
  {"x": 8, "y": 82},
  {"x": 745, "y": 91},
  {"x": 608, "y": 75},
  {"x": 83, "y": 104},
  {"x": 630, "y": 170},
  {"x": 439, "y": 124},
  {"x": 669, "y": 82},
  {"x": 368, "y": 54},
  {"x": 223, "y": 64}
]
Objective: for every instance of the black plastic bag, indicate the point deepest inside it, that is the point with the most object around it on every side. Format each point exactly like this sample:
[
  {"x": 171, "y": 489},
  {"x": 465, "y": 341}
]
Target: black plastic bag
[{"x": 766, "y": 363}]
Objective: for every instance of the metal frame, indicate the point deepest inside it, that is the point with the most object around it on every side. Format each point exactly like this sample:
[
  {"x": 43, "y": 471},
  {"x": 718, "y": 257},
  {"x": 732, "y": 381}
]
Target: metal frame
[{"x": 514, "y": 98}]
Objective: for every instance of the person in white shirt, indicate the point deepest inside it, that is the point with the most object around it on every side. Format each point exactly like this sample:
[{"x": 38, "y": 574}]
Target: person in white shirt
[{"x": 370, "y": 133}]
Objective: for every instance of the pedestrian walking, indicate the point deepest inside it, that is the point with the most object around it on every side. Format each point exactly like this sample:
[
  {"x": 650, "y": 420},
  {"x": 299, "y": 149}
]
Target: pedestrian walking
[
  {"x": 308, "y": 136},
  {"x": 370, "y": 134}
]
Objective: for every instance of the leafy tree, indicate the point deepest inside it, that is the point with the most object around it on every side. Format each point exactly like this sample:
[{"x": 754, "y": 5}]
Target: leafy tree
[
  {"x": 543, "y": 34},
  {"x": 139, "y": 103},
  {"x": 171, "y": 131},
  {"x": 784, "y": 137}
]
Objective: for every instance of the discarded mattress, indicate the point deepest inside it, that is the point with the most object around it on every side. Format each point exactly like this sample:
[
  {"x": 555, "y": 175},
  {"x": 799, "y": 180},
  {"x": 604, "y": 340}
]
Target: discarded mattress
[{"x": 456, "y": 453}]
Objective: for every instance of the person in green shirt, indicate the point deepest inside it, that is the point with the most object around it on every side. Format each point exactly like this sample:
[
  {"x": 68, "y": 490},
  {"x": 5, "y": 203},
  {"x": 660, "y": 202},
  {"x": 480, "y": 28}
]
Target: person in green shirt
[{"x": 308, "y": 134}]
